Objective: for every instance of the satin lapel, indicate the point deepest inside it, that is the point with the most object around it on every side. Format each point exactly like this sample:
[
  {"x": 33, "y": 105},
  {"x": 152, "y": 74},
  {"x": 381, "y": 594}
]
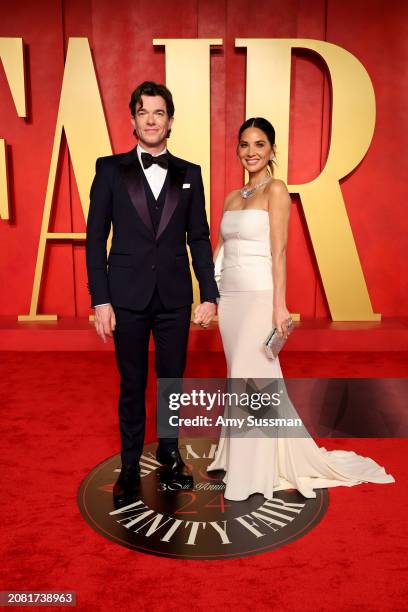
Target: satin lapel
[
  {"x": 132, "y": 175},
  {"x": 176, "y": 177}
]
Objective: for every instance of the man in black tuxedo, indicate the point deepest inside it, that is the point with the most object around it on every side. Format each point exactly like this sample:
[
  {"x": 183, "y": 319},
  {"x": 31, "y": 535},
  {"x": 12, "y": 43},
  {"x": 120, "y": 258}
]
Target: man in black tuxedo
[{"x": 154, "y": 201}]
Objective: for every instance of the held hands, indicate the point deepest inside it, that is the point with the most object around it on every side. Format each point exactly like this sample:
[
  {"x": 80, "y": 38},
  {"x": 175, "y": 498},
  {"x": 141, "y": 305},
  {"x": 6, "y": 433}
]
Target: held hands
[
  {"x": 204, "y": 313},
  {"x": 282, "y": 320},
  {"x": 105, "y": 321}
]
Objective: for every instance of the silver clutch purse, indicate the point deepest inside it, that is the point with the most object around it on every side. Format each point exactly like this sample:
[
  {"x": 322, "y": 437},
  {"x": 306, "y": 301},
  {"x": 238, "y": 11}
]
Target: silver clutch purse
[{"x": 274, "y": 342}]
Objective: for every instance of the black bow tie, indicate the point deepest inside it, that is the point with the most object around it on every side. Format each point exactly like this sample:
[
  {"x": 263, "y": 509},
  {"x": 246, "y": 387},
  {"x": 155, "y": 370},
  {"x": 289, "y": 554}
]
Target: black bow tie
[{"x": 148, "y": 160}]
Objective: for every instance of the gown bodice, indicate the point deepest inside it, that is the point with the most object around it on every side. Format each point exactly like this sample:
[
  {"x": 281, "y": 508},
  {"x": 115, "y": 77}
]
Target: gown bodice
[{"x": 246, "y": 261}]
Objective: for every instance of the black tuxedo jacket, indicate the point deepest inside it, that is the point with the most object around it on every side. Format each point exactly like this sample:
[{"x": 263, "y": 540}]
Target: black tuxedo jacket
[{"x": 139, "y": 259}]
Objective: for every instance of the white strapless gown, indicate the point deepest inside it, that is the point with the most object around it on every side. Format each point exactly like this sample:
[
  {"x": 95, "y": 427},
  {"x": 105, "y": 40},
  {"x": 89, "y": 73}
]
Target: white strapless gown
[{"x": 266, "y": 464}]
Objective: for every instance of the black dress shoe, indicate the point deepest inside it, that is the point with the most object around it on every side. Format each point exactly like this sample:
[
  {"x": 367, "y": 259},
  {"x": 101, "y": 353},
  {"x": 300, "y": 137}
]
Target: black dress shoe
[
  {"x": 128, "y": 481},
  {"x": 175, "y": 470}
]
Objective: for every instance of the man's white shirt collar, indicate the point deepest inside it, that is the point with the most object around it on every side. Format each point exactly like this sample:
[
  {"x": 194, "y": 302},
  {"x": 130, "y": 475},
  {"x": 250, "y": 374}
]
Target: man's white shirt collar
[
  {"x": 155, "y": 174},
  {"x": 140, "y": 150}
]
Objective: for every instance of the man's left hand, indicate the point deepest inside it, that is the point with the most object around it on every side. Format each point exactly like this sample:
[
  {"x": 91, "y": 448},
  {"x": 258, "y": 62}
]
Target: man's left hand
[{"x": 204, "y": 313}]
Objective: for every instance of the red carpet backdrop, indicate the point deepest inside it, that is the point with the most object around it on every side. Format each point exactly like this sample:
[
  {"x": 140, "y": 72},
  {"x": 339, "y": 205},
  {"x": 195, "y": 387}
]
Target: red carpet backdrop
[
  {"x": 120, "y": 36},
  {"x": 56, "y": 376}
]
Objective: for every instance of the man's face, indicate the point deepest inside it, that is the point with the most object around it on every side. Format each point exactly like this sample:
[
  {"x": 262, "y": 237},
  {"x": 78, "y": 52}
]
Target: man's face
[{"x": 151, "y": 122}]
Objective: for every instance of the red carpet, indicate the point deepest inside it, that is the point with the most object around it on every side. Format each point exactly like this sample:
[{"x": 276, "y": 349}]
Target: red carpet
[{"x": 354, "y": 559}]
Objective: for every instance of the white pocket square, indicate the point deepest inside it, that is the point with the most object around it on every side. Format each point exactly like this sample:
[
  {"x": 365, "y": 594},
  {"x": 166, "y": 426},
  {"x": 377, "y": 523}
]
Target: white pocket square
[{"x": 186, "y": 185}]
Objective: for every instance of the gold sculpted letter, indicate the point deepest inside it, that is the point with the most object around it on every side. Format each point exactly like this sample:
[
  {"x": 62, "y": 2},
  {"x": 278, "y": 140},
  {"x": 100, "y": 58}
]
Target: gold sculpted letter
[
  {"x": 352, "y": 127},
  {"x": 11, "y": 54},
  {"x": 188, "y": 61},
  {"x": 81, "y": 116}
]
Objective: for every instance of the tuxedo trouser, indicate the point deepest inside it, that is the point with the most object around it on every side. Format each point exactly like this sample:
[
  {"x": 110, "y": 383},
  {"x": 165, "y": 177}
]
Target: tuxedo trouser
[{"x": 170, "y": 328}]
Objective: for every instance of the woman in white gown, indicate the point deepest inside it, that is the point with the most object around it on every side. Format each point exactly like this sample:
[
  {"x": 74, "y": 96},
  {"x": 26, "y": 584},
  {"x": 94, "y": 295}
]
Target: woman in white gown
[{"x": 250, "y": 256}]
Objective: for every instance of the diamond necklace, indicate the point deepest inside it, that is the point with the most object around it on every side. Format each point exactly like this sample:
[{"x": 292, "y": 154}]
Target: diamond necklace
[{"x": 247, "y": 193}]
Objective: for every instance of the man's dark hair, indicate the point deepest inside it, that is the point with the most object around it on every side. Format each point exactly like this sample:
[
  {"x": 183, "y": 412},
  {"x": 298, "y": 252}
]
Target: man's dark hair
[{"x": 150, "y": 88}]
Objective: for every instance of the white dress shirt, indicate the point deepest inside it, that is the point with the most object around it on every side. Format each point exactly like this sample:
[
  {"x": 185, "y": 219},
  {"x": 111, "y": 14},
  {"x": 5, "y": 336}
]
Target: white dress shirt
[{"x": 155, "y": 175}]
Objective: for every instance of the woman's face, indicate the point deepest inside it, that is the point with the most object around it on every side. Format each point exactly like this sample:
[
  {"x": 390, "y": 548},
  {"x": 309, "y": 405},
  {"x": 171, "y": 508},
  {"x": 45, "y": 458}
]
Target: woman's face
[{"x": 254, "y": 149}]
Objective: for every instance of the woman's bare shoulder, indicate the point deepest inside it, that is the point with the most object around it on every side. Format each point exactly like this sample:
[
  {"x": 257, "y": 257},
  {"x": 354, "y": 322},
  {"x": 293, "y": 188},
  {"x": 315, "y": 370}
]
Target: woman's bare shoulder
[
  {"x": 278, "y": 195},
  {"x": 277, "y": 187},
  {"x": 230, "y": 197}
]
